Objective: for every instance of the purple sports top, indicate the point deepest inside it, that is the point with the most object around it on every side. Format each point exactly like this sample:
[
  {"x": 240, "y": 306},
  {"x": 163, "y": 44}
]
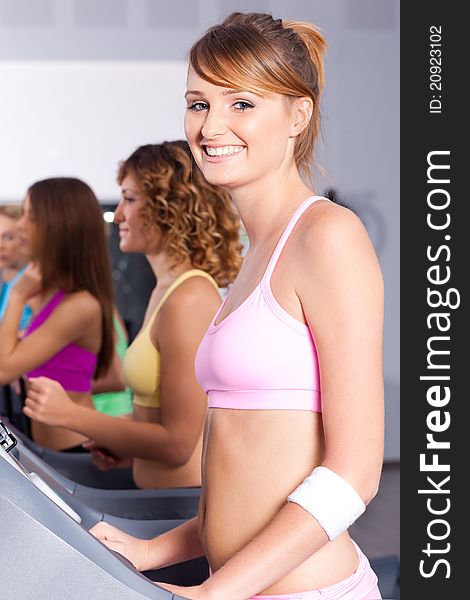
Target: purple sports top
[{"x": 73, "y": 366}]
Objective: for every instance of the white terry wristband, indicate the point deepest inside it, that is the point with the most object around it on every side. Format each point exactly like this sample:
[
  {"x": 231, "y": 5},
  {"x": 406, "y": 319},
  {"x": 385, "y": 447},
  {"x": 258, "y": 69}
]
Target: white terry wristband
[{"x": 331, "y": 500}]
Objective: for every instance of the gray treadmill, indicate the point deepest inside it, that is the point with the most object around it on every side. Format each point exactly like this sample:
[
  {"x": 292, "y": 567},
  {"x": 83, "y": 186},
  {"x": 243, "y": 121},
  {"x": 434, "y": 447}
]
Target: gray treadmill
[
  {"x": 48, "y": 552},
  {"x": 168, "y": 503},
  {"x": 18, "y": 490},
  {"x": 77, "y": 466}
]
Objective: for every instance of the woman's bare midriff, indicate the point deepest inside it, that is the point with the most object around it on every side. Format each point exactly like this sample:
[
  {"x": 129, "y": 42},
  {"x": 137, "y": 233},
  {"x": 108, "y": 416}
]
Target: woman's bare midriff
[
  {"x": 58, "y": 438},
  {"x": 150, "y": 474},
  {"x": 252, "y": 460}
]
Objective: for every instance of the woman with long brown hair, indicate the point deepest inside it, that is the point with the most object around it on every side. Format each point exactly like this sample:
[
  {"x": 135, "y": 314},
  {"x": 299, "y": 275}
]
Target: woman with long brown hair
[
  {"x": 70, "y": 337},
  {"x": 189, "y": 232}
]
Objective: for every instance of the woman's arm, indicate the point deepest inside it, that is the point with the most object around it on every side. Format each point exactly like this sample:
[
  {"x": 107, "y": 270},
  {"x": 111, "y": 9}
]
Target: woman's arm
[
  {"x": 181, "y": 326},
  {"x": 75, "y": 317},
  {"x": 174, "y": 546},
  {"x": 341, "y": 292},
  {"x": 47, "y": 402}
]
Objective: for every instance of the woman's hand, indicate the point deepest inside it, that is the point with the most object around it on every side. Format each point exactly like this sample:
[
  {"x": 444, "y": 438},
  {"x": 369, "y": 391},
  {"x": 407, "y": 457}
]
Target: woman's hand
[
  {"x": 134, "y": 549},
  {"x": 194, "y": 592},
  {"x": 47, "y": 402},
  {"x": 30, "y": 284},
  {"x": 104, "y": 459}
]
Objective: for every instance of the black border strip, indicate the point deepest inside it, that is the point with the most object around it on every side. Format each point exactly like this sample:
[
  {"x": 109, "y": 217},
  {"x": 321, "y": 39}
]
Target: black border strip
[{"x": 433, "y": 257}]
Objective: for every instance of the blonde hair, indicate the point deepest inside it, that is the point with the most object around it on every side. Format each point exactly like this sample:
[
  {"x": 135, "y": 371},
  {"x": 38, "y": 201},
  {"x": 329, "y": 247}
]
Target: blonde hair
[{"x": 255, "y": 52}]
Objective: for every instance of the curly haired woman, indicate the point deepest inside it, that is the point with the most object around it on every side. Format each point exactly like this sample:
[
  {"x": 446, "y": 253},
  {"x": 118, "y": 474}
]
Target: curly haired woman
[{"x": 189, "y": 233}]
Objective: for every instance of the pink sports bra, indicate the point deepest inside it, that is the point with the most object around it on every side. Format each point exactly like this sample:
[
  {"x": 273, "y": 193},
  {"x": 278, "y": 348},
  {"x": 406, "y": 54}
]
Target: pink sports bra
[
  {"x": 260, "y": 356},
  {"x": 73, "y": 366}
]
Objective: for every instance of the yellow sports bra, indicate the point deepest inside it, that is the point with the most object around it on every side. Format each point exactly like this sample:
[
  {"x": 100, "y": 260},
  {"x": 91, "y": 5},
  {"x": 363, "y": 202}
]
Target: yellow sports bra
[{"x": 141, "y": 363}]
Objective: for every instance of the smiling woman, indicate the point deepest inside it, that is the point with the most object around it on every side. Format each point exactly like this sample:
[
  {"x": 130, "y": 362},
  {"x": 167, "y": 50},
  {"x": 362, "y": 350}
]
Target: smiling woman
[
  {"x": 292, "y": 361},
  {"x": 221, "y": 124}
]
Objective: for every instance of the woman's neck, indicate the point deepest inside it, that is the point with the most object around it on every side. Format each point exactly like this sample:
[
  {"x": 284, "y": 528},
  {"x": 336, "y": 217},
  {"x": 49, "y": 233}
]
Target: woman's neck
[
  {"x": 266, "y": 206},
  {"x": 164, "y": 270},
  {"x": 8, "y": 274}
]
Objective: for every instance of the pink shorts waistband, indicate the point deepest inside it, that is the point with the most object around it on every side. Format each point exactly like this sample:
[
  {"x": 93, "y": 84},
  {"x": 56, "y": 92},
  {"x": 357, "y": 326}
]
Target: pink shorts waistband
[{"x": 361, "y": 585}]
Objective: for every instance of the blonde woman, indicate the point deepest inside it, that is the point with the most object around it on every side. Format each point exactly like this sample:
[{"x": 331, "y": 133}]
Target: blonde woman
[{"x": 292, "y": 362}]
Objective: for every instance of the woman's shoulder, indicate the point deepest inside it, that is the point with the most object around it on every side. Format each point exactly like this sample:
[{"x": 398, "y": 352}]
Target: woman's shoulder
[
  {"x": 326, "y": 225},
  {"x": 195, "y": 289},
  {"x": 329, "y": 216},
  {"x": 195, "y": 296},
  {"x": 189, "y": 308},
  {"x": 81, "y": 301},
  {"x": 332, "y": 244}
]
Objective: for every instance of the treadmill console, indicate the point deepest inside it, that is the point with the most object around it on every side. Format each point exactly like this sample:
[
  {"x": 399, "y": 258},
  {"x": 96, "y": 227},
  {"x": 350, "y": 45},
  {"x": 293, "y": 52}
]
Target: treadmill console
[{"x": 7, "y": 443}]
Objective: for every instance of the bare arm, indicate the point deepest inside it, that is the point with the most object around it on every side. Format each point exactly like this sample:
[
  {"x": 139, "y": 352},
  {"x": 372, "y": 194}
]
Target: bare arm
[
  {"x": 184, "y": 320},
  {"x": 48, "y": 403},
  {"x": 345, "y": 315},
  {"x": 174, "y": 546},
  {"x": 74, "y": 318}
]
